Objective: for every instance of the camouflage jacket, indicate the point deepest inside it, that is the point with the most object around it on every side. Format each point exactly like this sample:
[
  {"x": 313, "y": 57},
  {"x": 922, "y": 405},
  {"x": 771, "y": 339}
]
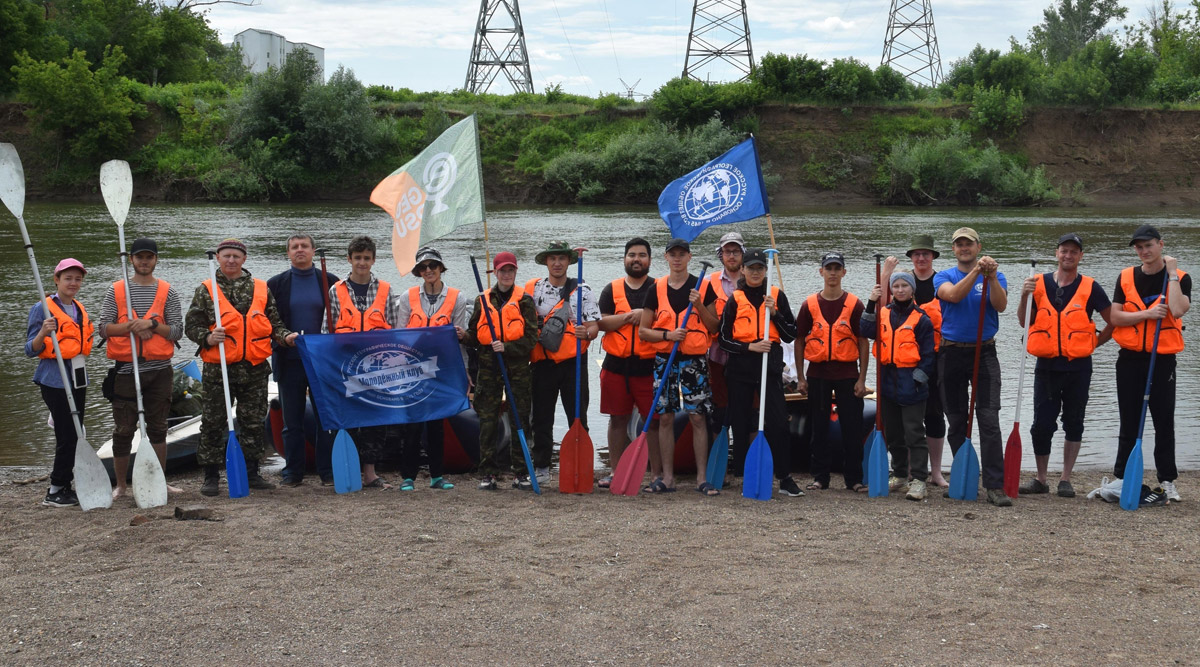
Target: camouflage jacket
[
  {"x": 514, "y": 350},
  {"x": 240, "y": 292}
]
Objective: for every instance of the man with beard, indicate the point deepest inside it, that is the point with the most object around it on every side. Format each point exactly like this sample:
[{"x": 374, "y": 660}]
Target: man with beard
[
  {"x": 627, "y": 375},
  {"x": 1062, "y": 335},
  {"x": 718, "y": 287}
]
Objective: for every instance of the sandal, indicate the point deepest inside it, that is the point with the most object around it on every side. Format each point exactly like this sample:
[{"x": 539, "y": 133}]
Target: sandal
[
  {"x": 407, "y": 484},
  {"x": 707, "y": 489},
  {"x": 816, "y": 486},
  {"x": 440, "y": 483},
  {"x": 378, "y": 483},
  {"x": 657, "y": 486},
  {"x": 605, "y": 482},
  {"x": 859, "y": 488}
]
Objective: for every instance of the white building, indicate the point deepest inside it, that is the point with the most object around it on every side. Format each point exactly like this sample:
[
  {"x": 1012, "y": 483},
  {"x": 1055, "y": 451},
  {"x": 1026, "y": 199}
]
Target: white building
[{"x": 262, "y": 49}]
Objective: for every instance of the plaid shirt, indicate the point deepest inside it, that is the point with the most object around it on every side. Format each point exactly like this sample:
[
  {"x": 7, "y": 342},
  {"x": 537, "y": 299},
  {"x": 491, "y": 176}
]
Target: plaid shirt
[{"x": 391, "y": 313}]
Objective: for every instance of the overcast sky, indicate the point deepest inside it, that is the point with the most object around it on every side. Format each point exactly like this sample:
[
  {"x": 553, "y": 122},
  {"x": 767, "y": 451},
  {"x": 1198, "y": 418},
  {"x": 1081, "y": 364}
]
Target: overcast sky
[{"x": 588, "y": 46}]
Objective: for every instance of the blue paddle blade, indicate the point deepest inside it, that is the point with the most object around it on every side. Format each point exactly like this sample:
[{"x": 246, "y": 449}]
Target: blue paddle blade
[
  {"x": 866, "y": 460},
  {"x": 1131, "y": 483},
  {"x": 347, "y": 472},
  {"x": 878, "y": 465},
  {"x": 759, "y": 479},
  {"x": 235, "y": 468},
  {"x": 191, "y": 370},
  {"x": 718, "y": 459},
  {"x": 529, "y": 462},
  {"x": 964, "y": 482}
]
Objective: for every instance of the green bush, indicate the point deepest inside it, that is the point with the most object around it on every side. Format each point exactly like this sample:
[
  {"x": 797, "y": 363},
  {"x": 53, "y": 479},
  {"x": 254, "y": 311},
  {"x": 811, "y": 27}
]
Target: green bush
[
  {"x": 848, "y": 80},
  {"x": 790, "y": 77},
  {"x": 540, "y": 146},
  {"x": 892, "y": 85},
  {"x": 689, "y": 103},
  {"x": 996, "y": 110}
]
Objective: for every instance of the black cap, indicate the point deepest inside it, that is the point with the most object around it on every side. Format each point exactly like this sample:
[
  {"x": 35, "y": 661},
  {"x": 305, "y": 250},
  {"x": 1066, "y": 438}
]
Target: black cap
[
  {"x": 1071, "y": 237},
  {"x": 143, "y": 245},
  {"x": 1145, "y": 233},
  {"x": 678, "y": 243},
  {"x": 833, "y": 258},
  {"x": 754, "y": 256}
]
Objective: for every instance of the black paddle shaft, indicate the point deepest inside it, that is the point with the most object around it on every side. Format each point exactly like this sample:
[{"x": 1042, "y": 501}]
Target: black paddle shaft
[
  {"x": 978, "y": 347},
  {"x": 325, "y": 289}
]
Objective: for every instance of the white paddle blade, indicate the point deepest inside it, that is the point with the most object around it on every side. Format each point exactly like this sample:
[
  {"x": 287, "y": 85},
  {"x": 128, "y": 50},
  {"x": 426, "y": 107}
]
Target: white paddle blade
[
  {"x": 116, "y": 184},
  {"x": 12, "y": 180},
  {"x": 149, "y": 482},
  {"x": 91, "y": 479}
]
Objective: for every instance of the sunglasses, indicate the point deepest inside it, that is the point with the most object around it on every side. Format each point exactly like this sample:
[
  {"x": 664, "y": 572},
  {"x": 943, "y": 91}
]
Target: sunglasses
[
  {"x": 422, "y": 268},
  {"x": 1058, "y": 298}
]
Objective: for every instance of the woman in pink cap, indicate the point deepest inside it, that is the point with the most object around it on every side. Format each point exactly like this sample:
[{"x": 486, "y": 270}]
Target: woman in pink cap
[{"x": 70, "y": 320}]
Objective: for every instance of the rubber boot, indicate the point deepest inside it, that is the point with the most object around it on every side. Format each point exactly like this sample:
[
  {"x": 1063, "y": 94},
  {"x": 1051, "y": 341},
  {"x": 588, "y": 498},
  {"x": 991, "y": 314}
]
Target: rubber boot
[
  {"x": 256, "y": 481},
  {"x": 212, "y": 478}
]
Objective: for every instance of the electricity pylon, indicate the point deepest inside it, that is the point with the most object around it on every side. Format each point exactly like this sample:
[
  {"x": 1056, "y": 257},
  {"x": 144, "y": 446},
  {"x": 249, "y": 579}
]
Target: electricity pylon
[
  {"x": 501, "y": 18},
  {"x": 910, "y": 45},
  {"x": 720, "y": 32}
]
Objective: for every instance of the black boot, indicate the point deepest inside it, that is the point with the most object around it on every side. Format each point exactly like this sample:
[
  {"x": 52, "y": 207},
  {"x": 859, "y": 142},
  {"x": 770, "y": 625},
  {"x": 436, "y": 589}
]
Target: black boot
[
  {"x": 256, "y": 481},
  {"x": 211, "y": 479}
]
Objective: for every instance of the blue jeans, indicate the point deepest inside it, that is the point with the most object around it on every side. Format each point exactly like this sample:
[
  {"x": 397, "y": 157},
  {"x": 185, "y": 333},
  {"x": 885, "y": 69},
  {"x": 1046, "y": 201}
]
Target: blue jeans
[{"x": 293, "y": 395}]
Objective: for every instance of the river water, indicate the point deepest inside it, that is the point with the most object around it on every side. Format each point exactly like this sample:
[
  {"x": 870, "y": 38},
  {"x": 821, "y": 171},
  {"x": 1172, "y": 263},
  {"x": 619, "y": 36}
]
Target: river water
[{"x": 184, "y": 232}]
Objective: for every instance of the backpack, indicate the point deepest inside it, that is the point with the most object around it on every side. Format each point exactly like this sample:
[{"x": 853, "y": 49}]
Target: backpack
[{"x": 554, "y": 326}]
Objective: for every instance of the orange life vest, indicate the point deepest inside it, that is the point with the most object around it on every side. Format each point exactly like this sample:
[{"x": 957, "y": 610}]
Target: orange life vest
[
  {"x": 509, "y": 322},
  {"x": 933, "y": 309},
  {"x": 714, "y": 280},
  {"x": 246, "y": 336},
  {"x": 351, "y": 319},
  {"x": 567, "y": 349},
  {"x": 748, "y": 325},
  {"x": 898, "y": 346},
  {"x": 1140, "y": 337},
  {"x": 831, "y": 343},
  {"x": 69, "y": 341},
  {"x": 1070, "y": 333},
  {"x": 443, "y": 316},
  {"x": 624, "y": 342},
  {"x": 157, "y": 347},
  {"x": 695, "y": 341}
]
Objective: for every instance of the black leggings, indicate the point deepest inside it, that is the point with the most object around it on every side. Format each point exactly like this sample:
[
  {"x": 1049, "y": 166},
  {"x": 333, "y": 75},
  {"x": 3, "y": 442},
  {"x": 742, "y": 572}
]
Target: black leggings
[
  {"x": 410, "y": 448},
  {"x": 65, "y": 436}
]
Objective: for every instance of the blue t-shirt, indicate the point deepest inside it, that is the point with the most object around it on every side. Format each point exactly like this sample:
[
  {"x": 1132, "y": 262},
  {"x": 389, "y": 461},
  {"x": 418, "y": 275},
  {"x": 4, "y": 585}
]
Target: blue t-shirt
[{"x": 960, "y": 321}]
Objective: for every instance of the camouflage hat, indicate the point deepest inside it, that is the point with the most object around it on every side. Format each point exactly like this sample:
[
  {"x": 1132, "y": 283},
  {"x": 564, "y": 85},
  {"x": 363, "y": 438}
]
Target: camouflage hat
[{"x": 557, "y": 248}]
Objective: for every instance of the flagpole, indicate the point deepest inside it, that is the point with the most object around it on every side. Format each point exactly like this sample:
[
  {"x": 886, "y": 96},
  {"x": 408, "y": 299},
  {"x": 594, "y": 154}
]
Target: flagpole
[
  {"x": 771, "y": 231},
  {"x": 487, "y": 251}
]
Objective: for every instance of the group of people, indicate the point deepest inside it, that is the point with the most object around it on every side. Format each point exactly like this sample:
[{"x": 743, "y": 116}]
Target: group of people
[{"x": 931, "y": 328}]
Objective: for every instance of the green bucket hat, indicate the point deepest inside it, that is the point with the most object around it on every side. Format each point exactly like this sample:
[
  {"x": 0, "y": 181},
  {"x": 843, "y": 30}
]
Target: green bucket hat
[
  {"x": 557, "y": 248},
  {"x": 923, "y": 242}
]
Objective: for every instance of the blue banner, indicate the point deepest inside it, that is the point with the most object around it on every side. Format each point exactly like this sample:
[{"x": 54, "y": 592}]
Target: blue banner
[
  {"x": 391, "y": 376},
  {"x": 726, "y": 190}
]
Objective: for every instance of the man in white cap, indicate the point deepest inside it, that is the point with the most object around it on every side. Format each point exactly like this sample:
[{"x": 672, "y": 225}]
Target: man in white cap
[{"x": 717, "y": 289}]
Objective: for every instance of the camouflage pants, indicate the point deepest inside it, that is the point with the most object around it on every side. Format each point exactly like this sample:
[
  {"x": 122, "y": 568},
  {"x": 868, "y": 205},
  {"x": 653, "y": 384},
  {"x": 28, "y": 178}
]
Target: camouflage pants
[
  {"x": 489, "y": 389},
  {"x": 248, "y": 391},
  {"x": 374, "y": 443}
]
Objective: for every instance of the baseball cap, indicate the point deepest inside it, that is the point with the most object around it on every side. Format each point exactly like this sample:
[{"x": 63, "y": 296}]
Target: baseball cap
[
  {"x": 754, "y": 256},
  {"x": 1145, "y": 233},
  {"x": 503, "y": 259},
  {"x": 678, "y": 243},
  {"x": 732, "y": 237},
  {"x": 143, "y": 245},
  {"x": 965, "y": 232},
  {"x": 69, "y": 263},
  {"x": 1071, "y": 237},
  {"x": 832, "y": 258}
]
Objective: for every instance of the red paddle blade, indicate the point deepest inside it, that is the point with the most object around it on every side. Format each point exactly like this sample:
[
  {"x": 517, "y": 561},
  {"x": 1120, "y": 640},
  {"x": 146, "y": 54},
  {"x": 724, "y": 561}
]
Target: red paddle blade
[
  {"x": 1012, "y": 462},
  {"x": 576, "y": 467},
  {"x": 631, "y": 469}
]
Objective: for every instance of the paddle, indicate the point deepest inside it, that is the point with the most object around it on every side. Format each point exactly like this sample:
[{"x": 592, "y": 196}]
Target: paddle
[
  {"x": 576, "y": 456},
  {"x": 91, "y": 479},
  {"x": 964, "y": 471},
  {"x": 875, "y": 461},
  {"x": 325, "y": 290},
  {"x": 627, "y": 478},
  {"x": 235, "y": 461},
  {"x": 758, "y": 479},
  {"x": 1012, "y": 449},
  {"x": 149, "y": 482},
  {"x": 347, "y": 469},
  {"x": 512, "y": 399},
  {"x": 718, "y": 457},
  {"x": 1131, "y": 482}
]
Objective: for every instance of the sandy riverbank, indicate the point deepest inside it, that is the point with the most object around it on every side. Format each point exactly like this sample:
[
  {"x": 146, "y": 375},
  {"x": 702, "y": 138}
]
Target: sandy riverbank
[{"x": 303, "y": 576}]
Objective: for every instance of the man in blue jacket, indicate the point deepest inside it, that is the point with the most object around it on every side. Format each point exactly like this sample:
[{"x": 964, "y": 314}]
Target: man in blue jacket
[{"x": 302, "y": 304}]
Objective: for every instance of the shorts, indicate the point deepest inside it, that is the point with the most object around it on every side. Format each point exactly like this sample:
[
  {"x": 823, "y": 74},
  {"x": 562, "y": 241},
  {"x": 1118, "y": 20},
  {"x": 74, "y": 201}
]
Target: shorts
[
  {"x": 687, "y": 386},
  {"x": 156, "y": 401},
  {"x": 619, "y": 393}
]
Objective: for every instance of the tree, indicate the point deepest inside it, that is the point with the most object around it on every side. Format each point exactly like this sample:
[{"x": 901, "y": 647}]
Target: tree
[
  {"x": 1066, "y": 29},
  {"x": 25, "y": 30}
]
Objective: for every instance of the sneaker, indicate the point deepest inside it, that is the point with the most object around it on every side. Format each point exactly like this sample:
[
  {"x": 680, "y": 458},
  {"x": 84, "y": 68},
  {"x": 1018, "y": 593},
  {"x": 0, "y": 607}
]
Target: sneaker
[
  {"x": 788, "y": 486},
  {"x": 896, "y": 483},
  {"x": 440, "y": 483},
  {"x": 327, "y": 480},
  {"x": 292, "y": 482},
  {"x": 1172, "y": 493},
  {"x": 522, "y": 482},
  {"x": 1065, "y": 490},
  {"x": 998, "y": 498},
  {"x": 60, "y": 499},
  {"x": 488, "y": 483},
  {"x": 1155, "y": 496},
  {"x": 408, "y": 484},
  {"x": 542, "y": 474},
  {"x": 1034, "y": 486},
  {"x": 71, "y": 495},
  {"x": 916, "y": 490}
]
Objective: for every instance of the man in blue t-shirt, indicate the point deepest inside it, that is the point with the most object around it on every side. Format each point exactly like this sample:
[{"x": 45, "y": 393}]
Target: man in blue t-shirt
[
  {"x": 1062, "y": 335},
  {"x": 960, "y": 289}
]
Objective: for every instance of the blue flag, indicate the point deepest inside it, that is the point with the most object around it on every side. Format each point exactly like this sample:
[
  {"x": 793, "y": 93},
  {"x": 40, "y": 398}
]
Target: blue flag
[
  {"x": 728, "y": 189},
  {"x": 390, "y": 376}
]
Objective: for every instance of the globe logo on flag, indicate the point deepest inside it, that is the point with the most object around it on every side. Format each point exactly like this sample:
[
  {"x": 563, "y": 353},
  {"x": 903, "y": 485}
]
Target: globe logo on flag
[
  {"x": 714, "y": 193},
  {"x": 389, "y": 375}
]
